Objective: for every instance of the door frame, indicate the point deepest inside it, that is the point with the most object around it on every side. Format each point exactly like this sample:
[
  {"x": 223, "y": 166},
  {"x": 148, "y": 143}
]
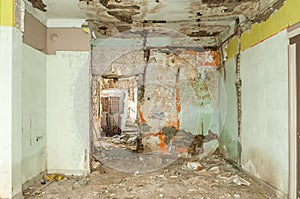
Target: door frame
[{"x": 292, "y": 92}]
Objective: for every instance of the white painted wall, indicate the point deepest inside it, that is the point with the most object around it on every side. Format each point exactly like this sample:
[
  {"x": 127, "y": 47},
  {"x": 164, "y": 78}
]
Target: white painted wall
[
  {"x": 34, "y": 112},
  {"x": 264, "y": 128},
  {"x": 68, "y": 113},
  {"x": 16, "y": 112},
  {"x": 10, "y": 114}
]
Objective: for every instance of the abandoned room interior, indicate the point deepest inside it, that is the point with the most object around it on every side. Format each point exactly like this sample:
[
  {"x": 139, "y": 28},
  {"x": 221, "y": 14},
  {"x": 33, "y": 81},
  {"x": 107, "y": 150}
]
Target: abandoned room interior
[{"x": 150, "y": 99}]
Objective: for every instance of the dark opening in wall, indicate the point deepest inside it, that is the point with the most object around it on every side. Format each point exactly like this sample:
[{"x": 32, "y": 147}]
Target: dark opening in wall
[{"x": 111, "y": 119}]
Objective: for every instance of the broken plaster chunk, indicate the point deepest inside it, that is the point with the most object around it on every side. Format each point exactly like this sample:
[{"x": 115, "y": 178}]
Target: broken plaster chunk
[
  {"x": 192, "y": 166},
  {"x": 81, "y": 182},
  {"x": 209, "y": 148},
  {"x": 238, "y": 180},
  {"x": 215, "y": 170}
]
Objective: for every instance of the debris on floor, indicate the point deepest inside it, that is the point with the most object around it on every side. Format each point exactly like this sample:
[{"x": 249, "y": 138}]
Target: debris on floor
[
  {"x": 126, "y": 141},
  {"x": 192, "y": 166},
  {"x": 209, "y": 178},
  {"x": 238, "y": 180}
]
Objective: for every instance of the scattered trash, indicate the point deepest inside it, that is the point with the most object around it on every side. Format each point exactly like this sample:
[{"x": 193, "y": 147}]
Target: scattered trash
[
  {"x": 80, "y": 182},
  {"x": 215, "y": 170},
  {"x": 37, "y": 193},
  {"x": 50, "y": 177},
  {"x": 192, "y": 190},
  {"x": 193, "y": 166},
  {"x": 75, "y": 185},
  {"x": 43, "y": 181},
  {"x": 95, "y": 164},
  {"x": 132, "y": 140},
  {"x": 168, "y": 182},
  {"x": 194, "y": 180},
  {"x": 238, "y": 180}
]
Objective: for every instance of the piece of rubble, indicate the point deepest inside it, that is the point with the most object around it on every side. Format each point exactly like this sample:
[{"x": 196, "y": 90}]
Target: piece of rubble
[
  {"x": 192, "y": 166},
  {"x": 97, "y": 167},
  {"x": 81, "y": 182},
  {"x": 194, "y": 180},
  {"x": 215, "y": 170},
  {"x": 209, "y": 148},
  {"x": 238, "y": 180},
  {"x": 95, "y": 164},
  {"x": 132, "y": 140}
]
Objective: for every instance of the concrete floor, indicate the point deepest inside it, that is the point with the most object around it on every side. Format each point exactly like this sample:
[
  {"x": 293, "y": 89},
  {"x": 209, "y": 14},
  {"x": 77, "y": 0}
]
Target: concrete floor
[{"x": 212, "y": 178}]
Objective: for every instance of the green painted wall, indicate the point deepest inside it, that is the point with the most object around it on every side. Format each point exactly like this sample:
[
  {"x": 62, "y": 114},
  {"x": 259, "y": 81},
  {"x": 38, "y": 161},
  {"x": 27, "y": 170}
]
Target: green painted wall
[{"x": 229, "y": 135}]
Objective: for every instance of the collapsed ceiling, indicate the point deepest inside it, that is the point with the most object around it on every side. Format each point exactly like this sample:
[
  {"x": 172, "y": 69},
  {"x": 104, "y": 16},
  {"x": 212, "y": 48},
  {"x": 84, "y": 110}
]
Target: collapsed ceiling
[{"x": 214, "y": 21}]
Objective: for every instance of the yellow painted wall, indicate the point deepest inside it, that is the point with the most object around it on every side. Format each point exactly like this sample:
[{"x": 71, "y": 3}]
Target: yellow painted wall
[
  {"x": 232, "y": 48},
  {"x": 7, "y": 13},
  {"x": 287, "y": 15}
]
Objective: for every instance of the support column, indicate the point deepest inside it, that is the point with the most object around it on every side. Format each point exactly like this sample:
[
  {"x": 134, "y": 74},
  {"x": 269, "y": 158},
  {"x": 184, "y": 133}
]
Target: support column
[{"x": 10, "y": 103}]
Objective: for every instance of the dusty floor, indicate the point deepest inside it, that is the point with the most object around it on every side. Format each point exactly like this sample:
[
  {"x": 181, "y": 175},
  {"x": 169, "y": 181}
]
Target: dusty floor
[{"x": 210, "y": 178}]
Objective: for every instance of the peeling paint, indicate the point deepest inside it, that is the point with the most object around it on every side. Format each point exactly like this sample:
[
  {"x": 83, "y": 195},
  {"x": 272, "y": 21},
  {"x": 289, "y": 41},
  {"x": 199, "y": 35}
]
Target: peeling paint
[
  {"x": 142, "y": 119},
  {"x": 286, "y": 16},
  {"x": 38, "y": 4},
  {"x": 208, "y": 20}
]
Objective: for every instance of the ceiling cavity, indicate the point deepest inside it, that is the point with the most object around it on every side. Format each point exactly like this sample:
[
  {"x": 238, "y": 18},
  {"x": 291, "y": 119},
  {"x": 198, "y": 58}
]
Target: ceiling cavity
[
  {"x": 210, "y": 21},
  {"x": 195, "y": 18}
]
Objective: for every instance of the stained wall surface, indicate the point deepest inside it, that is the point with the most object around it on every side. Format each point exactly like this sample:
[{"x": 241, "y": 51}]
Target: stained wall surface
[
  {"x": 264, "y": 127},
  {"x": 229, "y": 135},
  {"x": 34, "y": 124},
  {"x": 67, "y": 148}
]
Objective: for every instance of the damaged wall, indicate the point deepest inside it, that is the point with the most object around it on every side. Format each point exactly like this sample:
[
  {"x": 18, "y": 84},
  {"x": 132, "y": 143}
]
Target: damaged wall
[
  {"x": 229, "y": 135},
  {"x": 176, "y": 90},
  {"x": 265, "y": 111},
  {"x": 264, "y": 76}
]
